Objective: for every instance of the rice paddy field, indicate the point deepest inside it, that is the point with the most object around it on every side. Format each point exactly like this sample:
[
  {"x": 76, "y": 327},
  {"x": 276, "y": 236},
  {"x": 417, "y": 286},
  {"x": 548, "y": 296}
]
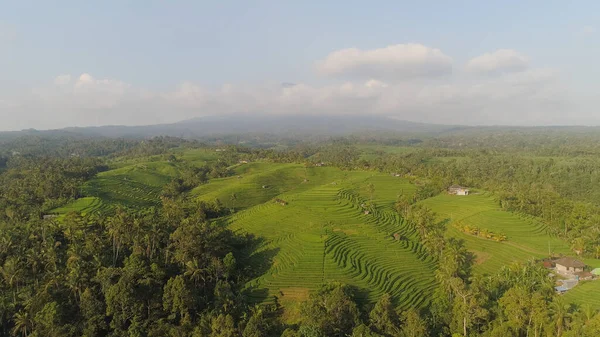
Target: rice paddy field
[
  {"x": 323, "y": 232},
  {"x": 527, "y": 238}
]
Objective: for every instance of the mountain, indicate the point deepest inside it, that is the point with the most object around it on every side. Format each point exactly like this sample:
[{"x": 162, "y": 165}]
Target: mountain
[
  {"x": 276, "y": 125},
  {"x": 288, "y": 127}
]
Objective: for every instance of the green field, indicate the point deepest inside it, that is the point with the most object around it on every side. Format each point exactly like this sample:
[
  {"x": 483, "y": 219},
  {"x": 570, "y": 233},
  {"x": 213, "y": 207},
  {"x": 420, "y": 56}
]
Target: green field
[
  {"x": 83, "y": 205},
  {"x": 323, "y": 232},
  {"x": 527, "y": 237},
  {"x": 587, "y": 292},
  {"x": 131, "y": 185}
]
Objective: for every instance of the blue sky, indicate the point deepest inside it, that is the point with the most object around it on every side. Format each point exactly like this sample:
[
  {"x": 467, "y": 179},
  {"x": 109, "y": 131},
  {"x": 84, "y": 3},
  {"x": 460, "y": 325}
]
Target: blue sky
[{"x": 147, "y": 62}]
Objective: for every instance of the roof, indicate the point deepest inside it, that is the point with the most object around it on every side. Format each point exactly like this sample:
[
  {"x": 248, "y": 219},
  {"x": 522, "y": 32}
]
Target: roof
[
  {"x": 561, "y": 289},
  {"x": 570, "y": 262},
  {"x": 584, "y": 274}
]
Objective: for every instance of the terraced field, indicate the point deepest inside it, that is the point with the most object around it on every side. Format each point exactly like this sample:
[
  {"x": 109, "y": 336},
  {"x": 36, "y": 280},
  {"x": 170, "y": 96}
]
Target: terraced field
[
  {"x": 323, "y": 234},
  {"x": 585, "y": 292},
  {"x": 256, "y": 183},
  {"x": 527, "y": 237},
  {"x": 132, "y": 185},
  {"x": 83, "y": 205}
]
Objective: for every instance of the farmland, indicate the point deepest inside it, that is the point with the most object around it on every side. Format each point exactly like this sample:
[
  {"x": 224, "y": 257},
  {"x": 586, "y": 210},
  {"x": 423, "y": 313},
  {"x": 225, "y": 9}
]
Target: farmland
[
  {"x": 527, "y": 237},
  {"x": 323, "y": 233}
]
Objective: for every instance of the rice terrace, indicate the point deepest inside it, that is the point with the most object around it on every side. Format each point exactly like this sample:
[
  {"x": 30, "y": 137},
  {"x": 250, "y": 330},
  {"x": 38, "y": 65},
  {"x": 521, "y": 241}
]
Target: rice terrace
[{"x": 318, "y": 223}]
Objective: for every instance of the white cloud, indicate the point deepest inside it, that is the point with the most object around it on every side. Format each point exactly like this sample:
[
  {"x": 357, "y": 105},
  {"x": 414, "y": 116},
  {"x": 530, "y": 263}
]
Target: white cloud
[
  {"x": 534, "y": 96},
  {"x": 395, "y": 62},
  {"x": 375, "y": 84},
  {"x": 500, "y": 61}
]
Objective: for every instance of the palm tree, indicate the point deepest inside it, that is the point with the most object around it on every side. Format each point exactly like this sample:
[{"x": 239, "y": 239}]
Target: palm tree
[
  {"x": 578, "y": 246},
  {"x": 371, "y": 190},
  {"x": 23, "y": 324},
  {"x": 194, "y": 271},
  {"x": 233, "y": 198},
  {"x": 587, "y": 312},
  {"x": 11, "y": 273},
  {"x": 560, "y": 314}
]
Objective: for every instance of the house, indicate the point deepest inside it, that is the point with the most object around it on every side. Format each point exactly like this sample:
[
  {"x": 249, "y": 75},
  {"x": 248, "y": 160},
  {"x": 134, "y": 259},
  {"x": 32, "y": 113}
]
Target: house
[
  {"x": 458, "y": 190},
  {"x": 569, "y": 265}
]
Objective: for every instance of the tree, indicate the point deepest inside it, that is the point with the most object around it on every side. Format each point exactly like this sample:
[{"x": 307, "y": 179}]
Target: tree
[
  {"x": 371, "y": 191},
  {"x": 233, "y": 199},
  {"x": 413, "y": 325},
  {"x": 290, "y": 333},
  {"x": 223, "y": 326},
  {"x": 178, "y": 300},
  {"x": 516, "y": 305},
  {"x": 467, "y": 310},
  {"x": 384, "y": 319},
  {"x": 402, "y": 205},
  {"x": 331, "y": 310},
  {"x": 23, "y": 324},
  {"x": 364, "y": 331},
  {"x": 578, "y": 246},
  {"x": 258, "y": 325},
  {"x": 93, "y": 313},
  {"x": 561, "y": 313}
]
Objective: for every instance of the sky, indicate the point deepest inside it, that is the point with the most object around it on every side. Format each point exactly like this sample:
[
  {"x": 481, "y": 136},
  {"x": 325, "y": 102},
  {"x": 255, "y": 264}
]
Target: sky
[{"x": 90, "y": 63}]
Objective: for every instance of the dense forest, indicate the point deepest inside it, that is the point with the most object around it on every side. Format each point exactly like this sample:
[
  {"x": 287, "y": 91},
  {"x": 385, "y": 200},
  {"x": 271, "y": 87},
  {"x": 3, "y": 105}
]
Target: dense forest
[{"x": 175, "y": 270}]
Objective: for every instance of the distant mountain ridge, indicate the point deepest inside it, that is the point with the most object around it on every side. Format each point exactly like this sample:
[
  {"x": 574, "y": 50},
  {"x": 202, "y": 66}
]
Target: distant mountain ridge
[
  {"x": 276, "y": 125},
  {"x": 283, "y": 126}
]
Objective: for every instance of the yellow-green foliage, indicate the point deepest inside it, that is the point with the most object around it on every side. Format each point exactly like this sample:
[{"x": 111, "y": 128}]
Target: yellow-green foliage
[{"x": 482, "y": 233}]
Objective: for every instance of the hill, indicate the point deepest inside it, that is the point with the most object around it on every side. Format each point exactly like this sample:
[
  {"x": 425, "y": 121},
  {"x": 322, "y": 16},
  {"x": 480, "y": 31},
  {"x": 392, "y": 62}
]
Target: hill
[{"x": 320, "y": 223}]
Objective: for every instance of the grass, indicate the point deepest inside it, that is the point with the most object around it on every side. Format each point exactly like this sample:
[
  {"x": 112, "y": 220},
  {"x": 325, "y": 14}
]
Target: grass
[
  {"x": 248, "y": 181},
  {"x": 323, "y": 234},
  {"x": 527, "y": 237},
  {"x": 134, "y": 185},
  {"x": 83, "y": 205},
  {"x": 586, "y": 292}
]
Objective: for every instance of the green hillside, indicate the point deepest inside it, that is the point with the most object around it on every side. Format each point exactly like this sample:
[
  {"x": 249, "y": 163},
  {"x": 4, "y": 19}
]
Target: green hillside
[
  {"x": 527, "y": 238},
  {"x": 323, "y": 232},
  {"x": 137, "y": 184}
]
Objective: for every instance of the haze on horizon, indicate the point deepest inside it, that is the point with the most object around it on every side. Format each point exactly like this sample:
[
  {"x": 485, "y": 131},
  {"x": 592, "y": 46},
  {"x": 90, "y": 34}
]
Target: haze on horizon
[{"x": 150, "y": 62}]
